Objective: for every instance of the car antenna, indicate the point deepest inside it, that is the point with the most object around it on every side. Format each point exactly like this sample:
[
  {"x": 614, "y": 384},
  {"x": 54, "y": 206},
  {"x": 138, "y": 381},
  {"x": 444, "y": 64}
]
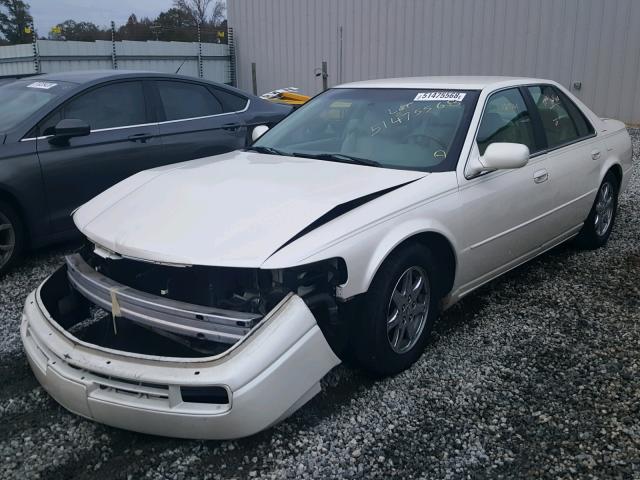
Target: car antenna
[{"x": 181, "y": 65}]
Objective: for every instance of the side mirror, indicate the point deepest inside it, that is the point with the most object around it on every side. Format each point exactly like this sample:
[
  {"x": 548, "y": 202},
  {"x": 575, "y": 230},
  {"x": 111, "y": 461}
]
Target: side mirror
[
  {"x": 69, "y": 128},
  {"x": 258, "y": 131},
  {"x": 500, "y": 156}
]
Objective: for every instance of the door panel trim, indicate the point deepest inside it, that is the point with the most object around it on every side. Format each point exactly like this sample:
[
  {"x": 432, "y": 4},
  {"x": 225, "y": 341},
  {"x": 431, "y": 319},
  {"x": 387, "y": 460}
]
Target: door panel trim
[
  {"x": 207, "y": 116},
  {"x": 469, "y": 287},
  {"x": 528, "y": 222},
  {"x": 150, "y": 124}
]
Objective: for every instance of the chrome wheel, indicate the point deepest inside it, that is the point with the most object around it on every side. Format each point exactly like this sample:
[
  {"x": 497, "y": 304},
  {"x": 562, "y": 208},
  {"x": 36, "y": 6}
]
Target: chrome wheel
[
  {"x": 605, "y": 203},
  {"x": 408, "y": 309},
  {"x": 7, "y": 239}
]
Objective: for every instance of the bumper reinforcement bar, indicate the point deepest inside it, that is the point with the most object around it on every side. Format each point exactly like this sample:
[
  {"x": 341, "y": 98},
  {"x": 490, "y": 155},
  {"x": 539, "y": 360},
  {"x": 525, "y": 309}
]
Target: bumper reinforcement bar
[{"x": 206, "y": 323}]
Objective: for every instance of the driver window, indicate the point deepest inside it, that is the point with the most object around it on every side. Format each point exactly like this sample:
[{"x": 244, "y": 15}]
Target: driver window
[
  {"x": 114, "y": 105},
  {"x": 506, "y": 119}
]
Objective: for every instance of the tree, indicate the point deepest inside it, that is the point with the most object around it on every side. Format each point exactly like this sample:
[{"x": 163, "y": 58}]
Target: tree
[
  {"x": 197, "y": 9},
  {"x": 218, "y": 16},
  {"x": 174, "y": 25},
  {"x": 15, "y": 21},
  {"x": 82, "y": 31},
  {"x": 136, "y": 30}
]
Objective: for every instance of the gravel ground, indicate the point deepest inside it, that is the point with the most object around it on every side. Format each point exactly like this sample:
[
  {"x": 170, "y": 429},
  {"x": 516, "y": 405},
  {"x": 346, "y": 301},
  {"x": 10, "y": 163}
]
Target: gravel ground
[{"x": 535, "y": 375}]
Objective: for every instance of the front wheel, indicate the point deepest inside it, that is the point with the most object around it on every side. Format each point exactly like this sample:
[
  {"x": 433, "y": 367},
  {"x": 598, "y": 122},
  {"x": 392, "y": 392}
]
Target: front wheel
[
  {"x": 398, "y": 313},
  {"x": 11, "y": 237},
  {"x": 597, "y": 228}
]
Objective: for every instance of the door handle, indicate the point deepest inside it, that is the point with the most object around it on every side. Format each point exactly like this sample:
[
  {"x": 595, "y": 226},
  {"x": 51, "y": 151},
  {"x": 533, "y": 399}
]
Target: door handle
[
  {"x": 595, "y": 154},
  {"x": 540, "y": 176},
  {"x": 230, "y": 127},
  {"x": 140, "y": 137}
]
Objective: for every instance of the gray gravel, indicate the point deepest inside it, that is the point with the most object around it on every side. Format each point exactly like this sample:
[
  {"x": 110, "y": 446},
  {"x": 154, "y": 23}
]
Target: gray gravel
[{"x": 535, "y": 375}]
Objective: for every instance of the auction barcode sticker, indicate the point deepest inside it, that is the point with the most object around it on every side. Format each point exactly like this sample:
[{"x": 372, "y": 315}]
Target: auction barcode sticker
[
  {"x": 43, "y": 85},
  {"x": 439, "y": 97}
]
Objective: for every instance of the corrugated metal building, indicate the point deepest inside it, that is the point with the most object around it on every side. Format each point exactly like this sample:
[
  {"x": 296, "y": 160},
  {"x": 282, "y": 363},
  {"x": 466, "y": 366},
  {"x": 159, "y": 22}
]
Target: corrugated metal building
[{"x": 595, "y": 43}]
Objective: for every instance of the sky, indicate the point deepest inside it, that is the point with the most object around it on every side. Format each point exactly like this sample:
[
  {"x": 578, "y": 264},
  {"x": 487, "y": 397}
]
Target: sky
[{"x": 47, "y": 13}]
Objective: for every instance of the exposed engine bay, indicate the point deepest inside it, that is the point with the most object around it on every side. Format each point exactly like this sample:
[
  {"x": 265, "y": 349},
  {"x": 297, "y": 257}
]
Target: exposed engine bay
[{"x": 181, "y": 311}]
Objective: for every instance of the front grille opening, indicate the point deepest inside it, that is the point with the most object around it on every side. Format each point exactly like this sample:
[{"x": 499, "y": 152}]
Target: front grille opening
[{"x": 216, "y": 395}]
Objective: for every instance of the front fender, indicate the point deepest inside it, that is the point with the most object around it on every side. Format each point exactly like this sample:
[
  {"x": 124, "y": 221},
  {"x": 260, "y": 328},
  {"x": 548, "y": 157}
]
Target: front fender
[{"x": 364, "y": 248}]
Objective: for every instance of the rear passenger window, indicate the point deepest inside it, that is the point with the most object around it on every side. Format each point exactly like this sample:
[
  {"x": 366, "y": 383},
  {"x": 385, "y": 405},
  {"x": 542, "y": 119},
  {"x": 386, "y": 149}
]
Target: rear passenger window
[
  {"x": 230, "y": 102},
  {"x": 187, "y": 100},
  {"x": 562, "y": 121},
  {"x": 506, "y": 119}
]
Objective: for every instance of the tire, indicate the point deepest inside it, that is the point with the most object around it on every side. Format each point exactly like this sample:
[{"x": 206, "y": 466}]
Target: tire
[
  {"x": 597, "y": 228},
  {"x": 11, "y": 237},
  {"x": 381, "y": 347}
]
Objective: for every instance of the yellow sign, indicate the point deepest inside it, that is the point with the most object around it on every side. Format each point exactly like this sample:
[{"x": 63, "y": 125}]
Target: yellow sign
[
  {"x": 220, "y": 34},
  {"x": 27, "y": 29},
  {"x": 56, "y": 30}
]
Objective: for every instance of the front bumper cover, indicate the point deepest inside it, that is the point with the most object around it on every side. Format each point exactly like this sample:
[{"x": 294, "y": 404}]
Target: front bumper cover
[{"x": 268, "y": 375}]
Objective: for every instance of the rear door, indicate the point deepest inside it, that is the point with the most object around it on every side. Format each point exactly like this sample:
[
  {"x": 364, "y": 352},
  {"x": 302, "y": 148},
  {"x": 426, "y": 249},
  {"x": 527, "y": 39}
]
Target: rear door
[
  {"x": 198, "y": 120},
  {"x": 123, "y": 141},
  {"x": 571, "y": 158}
]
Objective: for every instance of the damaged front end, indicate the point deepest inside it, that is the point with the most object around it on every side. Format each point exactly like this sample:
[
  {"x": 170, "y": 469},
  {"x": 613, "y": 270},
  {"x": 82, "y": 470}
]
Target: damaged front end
[
  {"x": 222, "y": 339},
  {"x": 181, "y": 310}
]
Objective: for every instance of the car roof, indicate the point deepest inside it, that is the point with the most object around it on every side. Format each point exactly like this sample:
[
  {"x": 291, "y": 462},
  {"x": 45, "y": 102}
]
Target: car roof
[
  {"x": 92, "y": 76},
  {"x": 456, "y": 82}
]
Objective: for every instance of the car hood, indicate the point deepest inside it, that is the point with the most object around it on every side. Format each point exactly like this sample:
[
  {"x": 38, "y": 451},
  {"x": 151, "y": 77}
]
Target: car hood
[{"x": 235, "y": 209}]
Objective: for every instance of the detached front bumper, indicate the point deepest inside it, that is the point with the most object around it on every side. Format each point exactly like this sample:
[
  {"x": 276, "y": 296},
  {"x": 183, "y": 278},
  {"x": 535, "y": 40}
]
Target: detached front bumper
[{"x": 267, "y": 376}]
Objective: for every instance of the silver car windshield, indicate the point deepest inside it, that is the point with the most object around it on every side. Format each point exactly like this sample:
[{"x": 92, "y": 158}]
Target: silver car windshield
[
  {"x": 20, "y": 99},
  {"x": 392, "y": 128}
]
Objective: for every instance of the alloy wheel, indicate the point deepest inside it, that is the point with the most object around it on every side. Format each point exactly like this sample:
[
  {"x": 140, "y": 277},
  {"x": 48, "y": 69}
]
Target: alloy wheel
[
  {"x": 408, "y": 309},
  {"x": 7, "y": 239},
  {"x": 604, "y": 209}
]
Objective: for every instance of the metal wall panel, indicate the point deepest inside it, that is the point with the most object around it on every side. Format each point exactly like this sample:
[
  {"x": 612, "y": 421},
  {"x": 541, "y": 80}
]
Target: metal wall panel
[
  {"x": 595, "y": 42},
  {"x": 166, "y": 57}
]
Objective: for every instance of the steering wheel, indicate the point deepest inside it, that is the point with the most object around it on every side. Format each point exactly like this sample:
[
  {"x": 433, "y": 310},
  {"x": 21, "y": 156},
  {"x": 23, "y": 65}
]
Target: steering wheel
[{"x": 421, "y": 137}]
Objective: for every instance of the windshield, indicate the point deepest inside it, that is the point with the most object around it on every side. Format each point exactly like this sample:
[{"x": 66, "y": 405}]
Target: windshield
[
  {"x": 21, "y": 98},
  {"x": 392, "y": 128}
]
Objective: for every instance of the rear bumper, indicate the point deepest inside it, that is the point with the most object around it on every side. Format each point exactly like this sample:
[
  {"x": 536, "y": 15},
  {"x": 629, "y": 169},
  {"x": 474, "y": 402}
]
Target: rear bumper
[{"x": 267, "y": 375}]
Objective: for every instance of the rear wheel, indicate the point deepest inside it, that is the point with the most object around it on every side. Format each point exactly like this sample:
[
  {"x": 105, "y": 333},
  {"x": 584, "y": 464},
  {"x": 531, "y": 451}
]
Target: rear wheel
[
  {"x": 398, "y": 312},
  {"x": 11, "y": 237},
  {"x": 597, "y": 228}
]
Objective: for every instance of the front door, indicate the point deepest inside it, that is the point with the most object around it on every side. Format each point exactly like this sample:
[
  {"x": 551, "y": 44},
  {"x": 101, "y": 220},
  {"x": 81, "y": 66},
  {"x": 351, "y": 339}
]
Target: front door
[
  {"x": 504, "y": 211},
  {"x": 124, "y": 140}
]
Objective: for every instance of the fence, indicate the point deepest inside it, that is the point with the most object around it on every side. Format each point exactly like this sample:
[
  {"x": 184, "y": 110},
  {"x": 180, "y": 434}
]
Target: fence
[{"x": 205, "y": 60}]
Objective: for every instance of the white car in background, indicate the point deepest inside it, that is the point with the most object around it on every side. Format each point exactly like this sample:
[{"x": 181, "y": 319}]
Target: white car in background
[{"x": 213, "y": 295}]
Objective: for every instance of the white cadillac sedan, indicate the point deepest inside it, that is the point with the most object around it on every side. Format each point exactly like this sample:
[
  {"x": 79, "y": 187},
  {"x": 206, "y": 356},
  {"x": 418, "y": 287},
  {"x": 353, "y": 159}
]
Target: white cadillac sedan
[{"x": 213, "y": 295}]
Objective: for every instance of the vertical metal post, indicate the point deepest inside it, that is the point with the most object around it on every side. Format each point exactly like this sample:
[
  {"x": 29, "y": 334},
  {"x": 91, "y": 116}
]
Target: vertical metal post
[
  {"x": 254, "y": 78},
  {"x": 232, "y": 57},
  {"x": 34, "y": 44},
  {"x": 200, "y": 70},
  {"x": 340, "y": 60},
  {"x": 114, "y": 58},
  {"x": 325, "y": 76}
]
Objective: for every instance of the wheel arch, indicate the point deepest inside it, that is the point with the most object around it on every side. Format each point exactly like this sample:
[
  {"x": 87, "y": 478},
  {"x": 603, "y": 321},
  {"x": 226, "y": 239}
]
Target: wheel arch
[
  {"x": 616, "y": 169},
  {"x": 440, "y": 244},
  {"x": 9, "y": 198}
]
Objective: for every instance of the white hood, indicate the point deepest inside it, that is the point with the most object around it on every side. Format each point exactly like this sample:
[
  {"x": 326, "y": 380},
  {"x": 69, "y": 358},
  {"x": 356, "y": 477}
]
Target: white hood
[{"x": 235, "y": 209}]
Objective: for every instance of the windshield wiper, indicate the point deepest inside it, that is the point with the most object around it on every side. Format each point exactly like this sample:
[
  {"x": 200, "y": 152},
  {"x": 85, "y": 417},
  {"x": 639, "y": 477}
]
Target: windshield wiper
[
  {"x": 339, "y": 157},
  {"x": 267, "y": 150}
]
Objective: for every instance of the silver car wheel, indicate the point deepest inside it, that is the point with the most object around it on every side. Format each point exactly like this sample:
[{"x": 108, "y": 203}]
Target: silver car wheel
[
  {"x": 7, "y": 239},
  {"x": 408, "y": 309},
  {"x": 604, "y": 209}
]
